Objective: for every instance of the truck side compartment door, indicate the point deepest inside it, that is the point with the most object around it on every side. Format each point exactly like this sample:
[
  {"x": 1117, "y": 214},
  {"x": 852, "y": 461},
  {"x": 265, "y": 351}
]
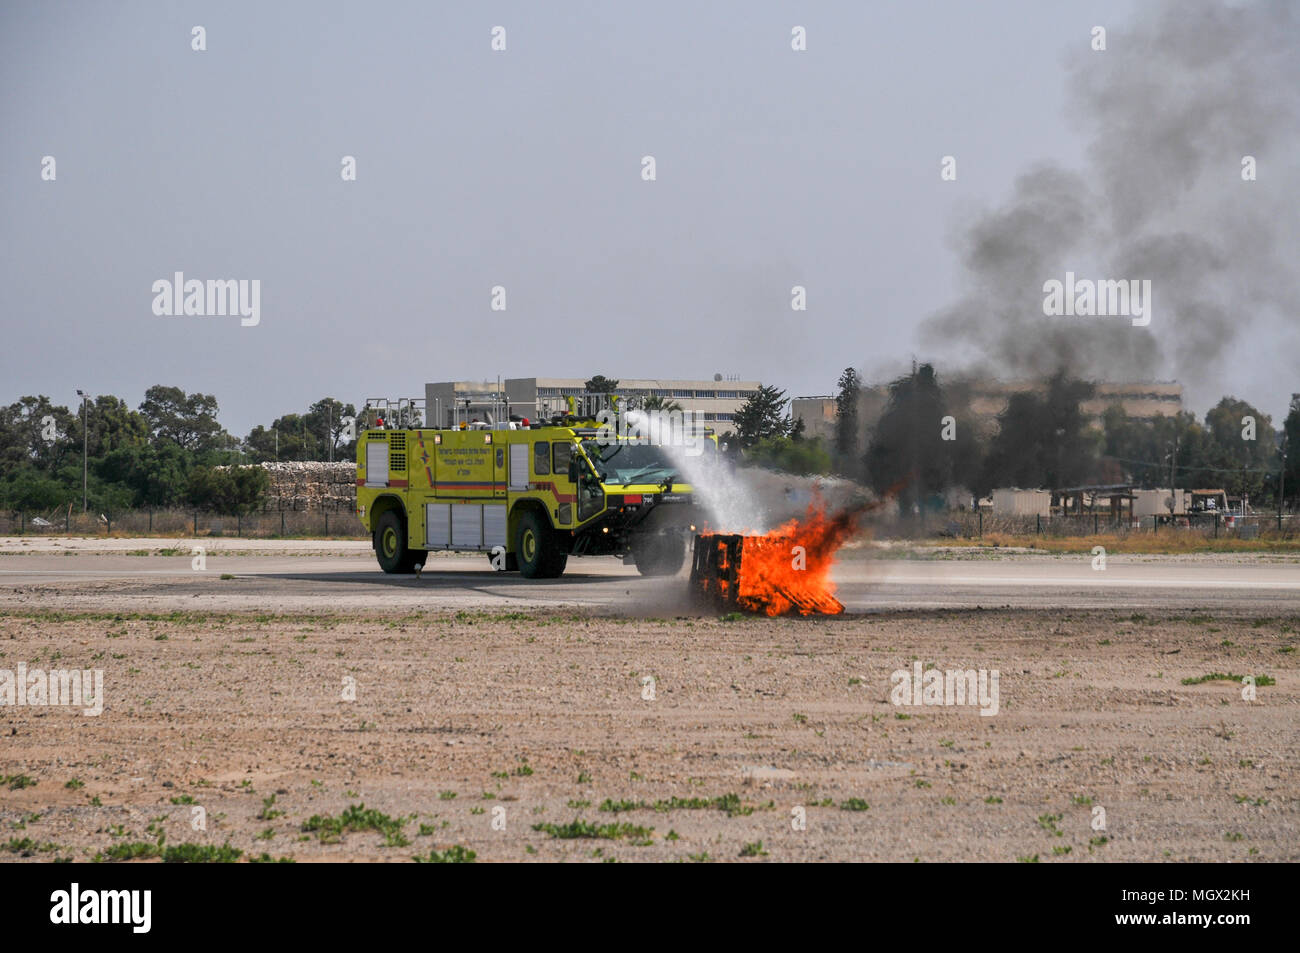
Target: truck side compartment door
[
  {"x": 519, "y": 466},
  {"x": 377, "y": 460},
  {"x": 566, "y": 494}
]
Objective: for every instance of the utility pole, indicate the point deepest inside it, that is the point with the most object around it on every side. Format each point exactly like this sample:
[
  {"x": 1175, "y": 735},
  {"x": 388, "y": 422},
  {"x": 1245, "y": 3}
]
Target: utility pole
[
  {"x": 1281, "y": 484},
  {"x": 85, "y": 444},
  {"x": 1173, "y": 458},
  {"x": 913, "y": 474}
]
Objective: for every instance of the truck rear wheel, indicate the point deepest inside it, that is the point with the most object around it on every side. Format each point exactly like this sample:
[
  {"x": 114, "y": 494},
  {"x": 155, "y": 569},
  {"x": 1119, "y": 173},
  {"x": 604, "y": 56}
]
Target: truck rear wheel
[
  {"x": 390, "y": 545},
  {"x": 536, "y": 548},
  {"x": 660, "y": 555}
]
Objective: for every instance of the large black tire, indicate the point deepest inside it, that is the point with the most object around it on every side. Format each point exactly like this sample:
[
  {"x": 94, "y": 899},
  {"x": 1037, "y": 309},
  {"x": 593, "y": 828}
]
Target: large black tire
[
  {"x": 390, "y": 545},
  {"x": 660, "y": 555},
  {"x": 536, "y": 549}
]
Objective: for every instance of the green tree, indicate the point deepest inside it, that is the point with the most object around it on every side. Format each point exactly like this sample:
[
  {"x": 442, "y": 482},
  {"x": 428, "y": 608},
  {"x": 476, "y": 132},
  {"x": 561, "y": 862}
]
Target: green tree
[
  {"x": 1289, "y": 451},
  {"x": 847, "y": 427},
  {"x": 1043, "y": 438},
  {"x": 327, "y": 418},
  {"x": 1241, "y": 465},
  {"x": 763, "y": 415},
  {"x": 228, "y": 490},
  {"x": 189, "y": 420},
  {"x": 27, "y": 489},
  {"x": 109, "y": 499},
  {"x": 155, "y": 475},
  {"x": 262, "y": 444},
  {"x": 309, "y": 436},
  {"x": 600, "y": 384},
  {"x": 656, "y": 402},
  {"x": 1147, "y": 448},
  {"x": 1180, "y": 443},
  {"x": 111, "y": 424},
  {"x": 34, "y": 431},
  {"x": 800, "y": 457},
  {"x": 1132, "y": 443},
  {"x": 915, "y": 450},
  {"x": 294, "y": 439}
]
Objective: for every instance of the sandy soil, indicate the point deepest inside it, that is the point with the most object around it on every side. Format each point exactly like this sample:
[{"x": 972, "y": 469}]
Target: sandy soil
[{"x": 538, "y": 717}]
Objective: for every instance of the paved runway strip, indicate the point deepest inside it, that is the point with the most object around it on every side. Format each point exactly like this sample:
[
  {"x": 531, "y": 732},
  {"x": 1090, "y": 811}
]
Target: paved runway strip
[{"x": 304, "y": 575}]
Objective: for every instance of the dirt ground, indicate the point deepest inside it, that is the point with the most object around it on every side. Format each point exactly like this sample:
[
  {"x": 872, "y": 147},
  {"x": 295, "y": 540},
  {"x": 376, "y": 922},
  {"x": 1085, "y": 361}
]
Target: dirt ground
[{"x": 479, "y": 730}]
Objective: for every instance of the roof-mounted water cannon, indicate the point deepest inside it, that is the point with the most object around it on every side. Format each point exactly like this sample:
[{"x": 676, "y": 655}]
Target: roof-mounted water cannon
[
  {"x": 588, "y": 406},
  {"x": 385, "y": 413}
]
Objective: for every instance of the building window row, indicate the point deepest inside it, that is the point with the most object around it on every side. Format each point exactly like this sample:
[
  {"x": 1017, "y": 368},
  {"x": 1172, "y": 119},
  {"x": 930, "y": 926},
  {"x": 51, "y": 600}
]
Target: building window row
[{"x": 656, "y": 392}]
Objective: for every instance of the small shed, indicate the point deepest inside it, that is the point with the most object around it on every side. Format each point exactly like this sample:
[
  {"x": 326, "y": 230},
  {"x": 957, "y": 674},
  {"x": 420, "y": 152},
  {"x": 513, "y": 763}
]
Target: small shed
[
  {"x": 1013, "y": 501},
  {"x": 1116, "y": 496},
  {"x": 1156, "y": 502}
]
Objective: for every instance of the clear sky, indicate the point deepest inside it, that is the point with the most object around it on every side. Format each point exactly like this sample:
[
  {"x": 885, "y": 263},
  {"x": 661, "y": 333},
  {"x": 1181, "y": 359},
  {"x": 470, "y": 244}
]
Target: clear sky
[{"x": 522, "y": 169}]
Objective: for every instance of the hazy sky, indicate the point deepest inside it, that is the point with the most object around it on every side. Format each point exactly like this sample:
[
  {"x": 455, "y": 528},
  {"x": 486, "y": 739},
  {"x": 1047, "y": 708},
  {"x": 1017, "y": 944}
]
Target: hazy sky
[{"x": 519, "y": 168}]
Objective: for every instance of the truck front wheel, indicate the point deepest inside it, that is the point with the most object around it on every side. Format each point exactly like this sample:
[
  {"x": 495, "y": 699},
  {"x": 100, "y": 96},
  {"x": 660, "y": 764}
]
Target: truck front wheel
[{"x": 660, "y": 555}]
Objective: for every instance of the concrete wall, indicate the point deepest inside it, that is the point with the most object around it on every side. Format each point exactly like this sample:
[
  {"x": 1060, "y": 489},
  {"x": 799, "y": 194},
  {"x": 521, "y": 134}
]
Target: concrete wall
[{"x": 311, "y": 487}]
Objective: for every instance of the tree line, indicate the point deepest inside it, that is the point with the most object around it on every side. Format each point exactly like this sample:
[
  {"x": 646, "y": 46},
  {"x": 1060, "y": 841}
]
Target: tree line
[
  {"x": 169, "y": 451},
  {"x": 172, "y": 450}
]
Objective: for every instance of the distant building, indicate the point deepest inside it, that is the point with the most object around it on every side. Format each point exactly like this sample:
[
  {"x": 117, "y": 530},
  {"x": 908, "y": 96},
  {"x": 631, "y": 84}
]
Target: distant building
[
  {"x": 817, "y": 414},
  {"x": 1142, "y": 400},
  {"x": 985, "y": 399},
  {"x": 716, "y": 401}
]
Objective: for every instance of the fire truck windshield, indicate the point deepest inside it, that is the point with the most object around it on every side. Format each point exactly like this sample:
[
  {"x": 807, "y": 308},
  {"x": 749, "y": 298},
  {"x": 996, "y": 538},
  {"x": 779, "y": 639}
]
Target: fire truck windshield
[{"x": 626, "y": 462}]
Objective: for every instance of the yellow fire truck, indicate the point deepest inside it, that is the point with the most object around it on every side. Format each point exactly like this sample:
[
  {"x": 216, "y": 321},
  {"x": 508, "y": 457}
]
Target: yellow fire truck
[{"x": 529, "y": 493}]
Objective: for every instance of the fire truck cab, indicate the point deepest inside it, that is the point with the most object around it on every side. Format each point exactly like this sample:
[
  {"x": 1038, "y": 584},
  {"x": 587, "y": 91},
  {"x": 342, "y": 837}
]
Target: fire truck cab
[{"x": 528, "y": 493}]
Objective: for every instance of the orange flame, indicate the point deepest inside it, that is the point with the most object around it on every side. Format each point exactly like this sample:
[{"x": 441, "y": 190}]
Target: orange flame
[{"x": 782, "y": 572}]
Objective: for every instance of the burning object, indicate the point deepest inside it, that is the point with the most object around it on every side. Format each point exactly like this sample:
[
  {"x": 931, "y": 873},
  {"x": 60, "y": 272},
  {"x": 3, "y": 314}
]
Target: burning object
[{"x": 784, "y": 572}]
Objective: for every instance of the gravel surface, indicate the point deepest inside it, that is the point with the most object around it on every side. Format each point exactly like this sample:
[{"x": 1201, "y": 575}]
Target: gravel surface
[{"x": 466, "y": 720}]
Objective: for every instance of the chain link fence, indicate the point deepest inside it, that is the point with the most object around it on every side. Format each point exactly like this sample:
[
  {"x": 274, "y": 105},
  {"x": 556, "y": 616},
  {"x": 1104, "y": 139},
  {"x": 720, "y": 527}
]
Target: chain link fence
[
  {"x": 974, "y": 525},
  {"x": 265, "y": 524},
  {"x": 344, "y": 524}
]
